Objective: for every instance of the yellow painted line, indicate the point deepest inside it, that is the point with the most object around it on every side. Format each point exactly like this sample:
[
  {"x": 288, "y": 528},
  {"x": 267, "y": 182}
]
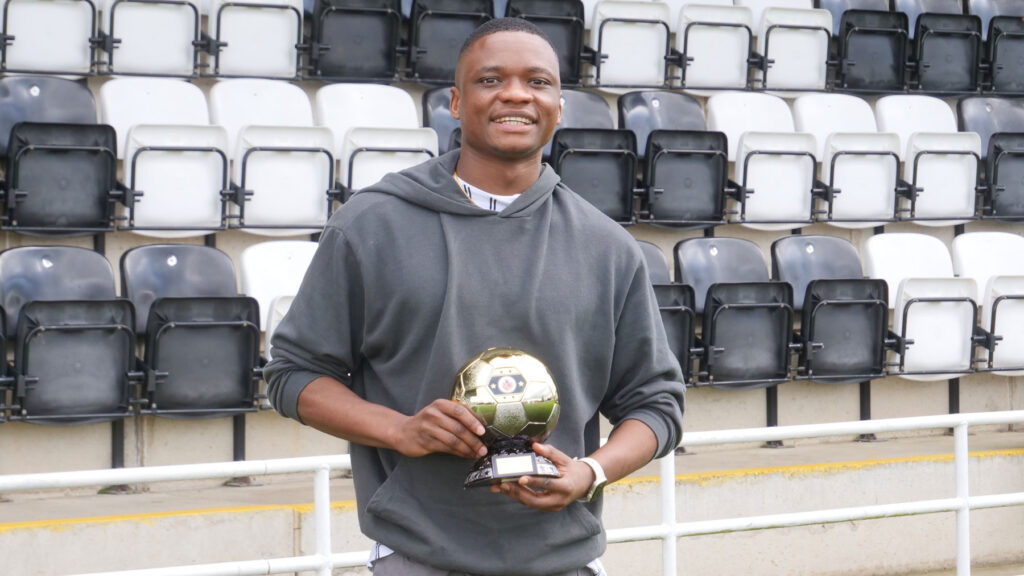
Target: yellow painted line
[
  {"x": 60, "y": 525},
  {"x": 797, "y": 470}
]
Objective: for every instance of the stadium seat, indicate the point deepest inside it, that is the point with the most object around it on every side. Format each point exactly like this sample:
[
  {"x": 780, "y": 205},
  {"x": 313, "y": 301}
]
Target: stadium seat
[
  {"x": 127, "y": 102},
  {"x": 582, "y": 109},
  {"x": 941, "y": 164},
  {"x": 601, "y": 166},
  {"x": 49, "y": 37},
  {"x": 947, "y": 45},
  {"x": 844, "y": 315},
  {"x": 999, "y": 122},
  {"x": 562, "y": 21},
  {"x": 271, "y": 274},
  {"x": 685, "y": 169},
  {"x": 376, "y": 131},
  {"x": 632, "y": 43},
  {"x": 437, "y": 29},
  {"x": 774, "y": 166},
  {"x": 356, "y": 40},
  {"x": 61, "y": 179},
  {"x": 860, "y": 167},
  {"x": 795, "y": 46},
  {"x": 43, "y": 99},
  {"x": 258, "y": 38},
  {"x": 934, "y": 314},
  {"x": 838, "y": 7},
  {"x": 74, "y": 359},
  {"x": 872, "y": 51},
  {"x": 437, "y": 114},
  {"x": 178, "y": 178},
  {"x": 1002, "y": 26},
  {"x": 995, "y": 260},
  {"x": 150, "y": 37},
  {"x": 713, "y": 45},
  {"x": 675, "y": 304},
  {"x": 201, "y": 337},
  {"x": 747, "y": 319}
]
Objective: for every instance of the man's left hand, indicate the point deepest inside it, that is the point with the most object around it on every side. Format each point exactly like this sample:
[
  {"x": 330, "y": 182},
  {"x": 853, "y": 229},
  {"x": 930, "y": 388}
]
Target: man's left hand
[{"x": 550, "y": 494}]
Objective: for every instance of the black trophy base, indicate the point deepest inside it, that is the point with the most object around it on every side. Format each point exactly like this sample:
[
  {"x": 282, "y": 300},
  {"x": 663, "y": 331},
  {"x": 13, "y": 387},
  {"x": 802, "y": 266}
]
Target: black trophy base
[{"x": 507, "y": 461}]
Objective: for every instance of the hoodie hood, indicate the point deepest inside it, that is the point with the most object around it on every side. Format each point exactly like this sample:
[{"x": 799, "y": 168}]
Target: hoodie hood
[{"x": 431, "y": 186}]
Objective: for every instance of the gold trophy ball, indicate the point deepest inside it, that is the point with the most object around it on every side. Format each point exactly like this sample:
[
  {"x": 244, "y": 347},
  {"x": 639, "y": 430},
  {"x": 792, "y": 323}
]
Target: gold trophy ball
[{"x": 511, "y": 392}]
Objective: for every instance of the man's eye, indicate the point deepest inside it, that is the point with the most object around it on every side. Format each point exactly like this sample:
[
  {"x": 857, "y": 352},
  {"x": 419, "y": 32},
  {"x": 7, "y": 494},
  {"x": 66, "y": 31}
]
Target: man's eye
[{"x": 488, "y": 80}]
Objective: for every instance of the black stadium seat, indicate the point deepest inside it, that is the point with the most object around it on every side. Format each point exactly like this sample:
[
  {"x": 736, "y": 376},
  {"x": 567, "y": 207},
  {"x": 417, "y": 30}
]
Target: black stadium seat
[
  {"x": 947, "y": 45},
  {"x": 1000, "y": 124},
  {"x": 201, "y": 337},
  {"x": 356, "y": 39},
  {"x": 74, "y": 360},
  {"x": 599, "y": 165},
  {"x": 872, "y": 51},
  {"x": 43, "y": 99},
  {"x": 437, "y": 29},
  {"x": 562, "y": 21}
]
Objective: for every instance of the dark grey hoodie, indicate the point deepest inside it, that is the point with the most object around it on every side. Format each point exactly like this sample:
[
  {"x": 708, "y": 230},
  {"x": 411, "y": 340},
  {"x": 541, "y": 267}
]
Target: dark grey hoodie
[{"x": 409, "y": 282}]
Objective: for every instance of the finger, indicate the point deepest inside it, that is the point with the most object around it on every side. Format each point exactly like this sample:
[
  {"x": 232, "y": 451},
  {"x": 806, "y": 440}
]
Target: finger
[
  {"x": 452, "y": 431},
  {"x": 531, "y": 495},
  {"x": 557, "y": 457},
  {"x": 463, "y": 415}
]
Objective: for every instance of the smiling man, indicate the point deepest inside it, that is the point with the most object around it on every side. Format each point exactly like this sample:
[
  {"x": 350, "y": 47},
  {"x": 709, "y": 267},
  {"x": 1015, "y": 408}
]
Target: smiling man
[{"x": 483, "y": 247}]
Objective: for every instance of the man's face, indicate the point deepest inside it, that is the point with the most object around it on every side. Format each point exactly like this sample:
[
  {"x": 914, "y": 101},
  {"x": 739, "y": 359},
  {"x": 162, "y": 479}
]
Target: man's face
[{"x": 507, "y": 95}]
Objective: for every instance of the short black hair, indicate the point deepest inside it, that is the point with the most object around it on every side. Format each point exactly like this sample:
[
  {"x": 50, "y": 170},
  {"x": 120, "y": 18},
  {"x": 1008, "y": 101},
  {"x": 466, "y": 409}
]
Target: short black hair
[{"x": 496, "y": 25}]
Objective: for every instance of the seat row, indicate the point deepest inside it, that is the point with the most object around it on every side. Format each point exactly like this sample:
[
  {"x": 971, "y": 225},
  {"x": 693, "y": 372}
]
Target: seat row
[
  {"x": 256, "y": 154},
  {"x": 819, "y": 316},
  {"x": 74, "y": 341},
  {"x": 755, "y": 160}
]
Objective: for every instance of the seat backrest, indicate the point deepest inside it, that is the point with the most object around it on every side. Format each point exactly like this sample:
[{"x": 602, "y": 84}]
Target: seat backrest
[
  {"x": 988, "y": 115},
  {"x": 261, "y": 37},
  {"x": 905, "y": 114},
  {"x": 370, "y": 153},
  {"x": 649, "y": 110},
  {"x": 126, "y": 102},
  {"x": 796, "y": 41},
  {"x": 154, "y": 38},
  {"x": 600, "y": 166},
  {"x": 273, "y": 269},
  {"x": 984, "y": 255},
  {"x": 49, "y": 36},
  {"x": 986, "y": 9},
  {"x": 825, "y": 114},
  {"x": 235, "y": 104},
  {"x": 701, "y": 262},
  {"x": 657, "y": 264},
  {"x": 737, "y": 112},
  {"x": 562, "y": 21},
  {"x": 896, "y": 256},
  {"x": 362, "y": 39},
  {"x": 800, "y": 259},
  {"x": 437, "y": 29},
  {"x": 30, "y": 273},
  {"x": 837, "y": 7},
  {"x": 716, "y": 38},
  {"x": 914, "y": 8},
  {"x": 155, "y": 271},
  {"x": 43, "y": 99},
  {"x": 341, "y": 107},
  {"x": 635, "y": 37},
  {"x": 757, "y": 8}
]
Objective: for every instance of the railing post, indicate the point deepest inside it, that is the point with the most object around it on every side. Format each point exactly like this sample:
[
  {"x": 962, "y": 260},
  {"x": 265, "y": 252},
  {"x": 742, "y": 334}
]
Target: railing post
[
  {"x": 963, "y": 514},
  {"x": 322, "y": 517},
  {"x": 667, "y": 473}
]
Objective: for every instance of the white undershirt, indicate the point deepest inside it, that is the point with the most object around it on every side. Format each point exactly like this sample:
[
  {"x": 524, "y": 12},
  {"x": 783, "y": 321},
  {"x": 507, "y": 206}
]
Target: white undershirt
[{"x": 486, "y": 200}]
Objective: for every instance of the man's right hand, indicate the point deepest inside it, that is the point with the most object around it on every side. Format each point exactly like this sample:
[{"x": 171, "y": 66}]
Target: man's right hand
[{"x": 442, "y": 426}]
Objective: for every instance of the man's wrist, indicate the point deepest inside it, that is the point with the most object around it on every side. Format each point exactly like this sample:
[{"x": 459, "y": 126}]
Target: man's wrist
[{"x": 596, "y": 487}]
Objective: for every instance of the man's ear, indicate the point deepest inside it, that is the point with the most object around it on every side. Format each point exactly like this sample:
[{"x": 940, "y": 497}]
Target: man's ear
[{"x": 455, "y": 102}]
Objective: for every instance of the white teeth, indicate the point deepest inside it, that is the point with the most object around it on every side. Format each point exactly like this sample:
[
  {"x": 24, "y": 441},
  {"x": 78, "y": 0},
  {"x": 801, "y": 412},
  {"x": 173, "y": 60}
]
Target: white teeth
[{"x": 514, "y": 120}]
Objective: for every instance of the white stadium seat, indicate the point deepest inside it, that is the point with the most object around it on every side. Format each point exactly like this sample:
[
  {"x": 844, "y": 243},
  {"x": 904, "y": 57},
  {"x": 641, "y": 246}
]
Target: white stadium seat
[
  {"x": 734, "y": 113},
  {"x": 634, "y": 36},
  {"x": 757, "y": 8},
  {"x": 341, "y": 107},
  {"x": 127, "y": 102},
  {"x": 995, "y": 260},
  {"x": 235, "y": 104},
  {"x": 369, "y": 153},
  {"x": 260, "y": 37},
  {"x": 715, "y": 55},
  {"x": 795, "y": 42},
  {"x": 939, "y": 309},
  {"x": 866, "y": 163},
  {"x": 274, "y": 269},
  {"x": 49, "y": 36},
  {"x": 181, "y": 171},
  {"x": 153, "y": 37}
]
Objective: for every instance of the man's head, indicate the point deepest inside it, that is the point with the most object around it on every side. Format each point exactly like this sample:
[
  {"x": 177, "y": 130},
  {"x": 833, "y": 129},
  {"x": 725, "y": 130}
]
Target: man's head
[{"x": 507, "y": 94}]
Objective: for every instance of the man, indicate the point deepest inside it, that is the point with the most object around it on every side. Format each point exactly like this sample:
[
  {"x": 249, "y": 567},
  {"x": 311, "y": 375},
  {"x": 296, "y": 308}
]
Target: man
[{"x": 482, "y": 247}]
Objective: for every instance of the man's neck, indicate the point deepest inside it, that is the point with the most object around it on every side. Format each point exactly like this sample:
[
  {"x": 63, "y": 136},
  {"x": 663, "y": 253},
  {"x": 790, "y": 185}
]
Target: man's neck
[{"x": 498, "y": 177}]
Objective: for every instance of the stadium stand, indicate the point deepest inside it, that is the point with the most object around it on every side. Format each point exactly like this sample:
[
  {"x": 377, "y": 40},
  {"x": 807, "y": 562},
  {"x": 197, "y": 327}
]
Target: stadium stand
[
  {"x": 201, "y": 337},
  {"x": 747, "y": 319}
]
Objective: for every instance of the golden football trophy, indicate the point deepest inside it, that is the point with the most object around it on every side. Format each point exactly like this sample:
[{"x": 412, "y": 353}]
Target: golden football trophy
[{"x": 514, "y": 396}]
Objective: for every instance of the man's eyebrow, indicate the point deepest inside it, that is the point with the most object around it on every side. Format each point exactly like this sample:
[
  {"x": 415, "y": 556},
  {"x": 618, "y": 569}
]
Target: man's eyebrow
[{"x": 531, "y": 70}]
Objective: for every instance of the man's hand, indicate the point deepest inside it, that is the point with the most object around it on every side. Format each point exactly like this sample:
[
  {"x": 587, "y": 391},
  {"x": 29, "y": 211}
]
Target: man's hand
[
  {"x": 442, "y": 426},
  {"x": 550, "y": 494}
]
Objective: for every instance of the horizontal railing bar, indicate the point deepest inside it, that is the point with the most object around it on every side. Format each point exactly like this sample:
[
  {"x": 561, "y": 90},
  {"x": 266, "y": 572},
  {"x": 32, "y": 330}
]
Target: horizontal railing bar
[
  {"x": 249, "y": 567},
  {"x": 691, "y": 439}
]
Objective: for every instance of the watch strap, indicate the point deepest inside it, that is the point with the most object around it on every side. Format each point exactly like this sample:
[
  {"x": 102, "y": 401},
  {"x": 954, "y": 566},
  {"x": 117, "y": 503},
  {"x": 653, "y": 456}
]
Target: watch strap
[{"x": 599, "y": 479}]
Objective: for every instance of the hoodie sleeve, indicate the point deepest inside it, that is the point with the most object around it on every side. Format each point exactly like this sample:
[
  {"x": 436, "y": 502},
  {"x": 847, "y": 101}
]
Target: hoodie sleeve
[
  {"x": 321, "y": 335},
  {"x": 647, "y": 383}
]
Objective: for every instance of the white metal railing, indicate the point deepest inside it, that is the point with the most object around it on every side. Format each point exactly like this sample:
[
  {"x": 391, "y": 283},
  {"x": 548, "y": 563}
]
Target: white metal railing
[{"x": 323, "y": 559}]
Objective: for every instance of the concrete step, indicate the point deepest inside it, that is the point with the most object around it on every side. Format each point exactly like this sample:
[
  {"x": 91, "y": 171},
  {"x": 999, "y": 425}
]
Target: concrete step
[{"x": 72, "y": 532}]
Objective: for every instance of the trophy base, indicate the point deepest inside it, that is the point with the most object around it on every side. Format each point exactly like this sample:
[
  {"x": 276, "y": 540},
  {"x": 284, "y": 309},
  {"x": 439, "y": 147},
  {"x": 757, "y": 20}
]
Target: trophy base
[{"x": 498, "y": 468}]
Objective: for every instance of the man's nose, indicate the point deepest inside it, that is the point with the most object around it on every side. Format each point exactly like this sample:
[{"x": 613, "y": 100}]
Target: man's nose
[{"x": 516, "y": 90}]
